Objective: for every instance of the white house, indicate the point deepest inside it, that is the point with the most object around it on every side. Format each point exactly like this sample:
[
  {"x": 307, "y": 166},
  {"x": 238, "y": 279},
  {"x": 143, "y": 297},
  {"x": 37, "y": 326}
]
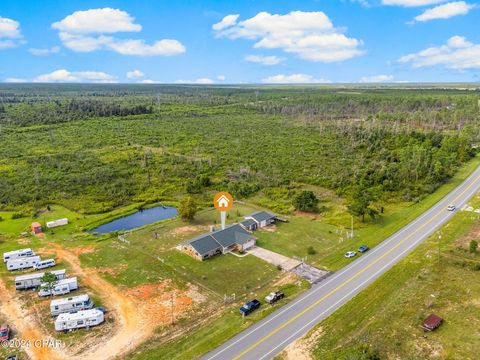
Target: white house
[
  {"x": 71, "y": 304},
  {"x": 33, "y": 280},
  {"x": 78, "y": 320}
]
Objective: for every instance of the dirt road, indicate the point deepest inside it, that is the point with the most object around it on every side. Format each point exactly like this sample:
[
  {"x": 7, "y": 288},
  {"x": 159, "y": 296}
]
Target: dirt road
[
  {"x": 25, "y": 326},
  {"x": 132, "y": 326}
]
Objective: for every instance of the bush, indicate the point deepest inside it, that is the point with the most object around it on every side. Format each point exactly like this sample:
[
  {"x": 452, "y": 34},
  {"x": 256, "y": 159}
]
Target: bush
[
  {"x": 311, "y": 250},
  {"x": 1, "y": 218},
  {"x": 187, "y": 208},
  {"x": 306, "y": 201},
  {"x": 473, "y": 246},
  {"x": 18, "y": 215}
]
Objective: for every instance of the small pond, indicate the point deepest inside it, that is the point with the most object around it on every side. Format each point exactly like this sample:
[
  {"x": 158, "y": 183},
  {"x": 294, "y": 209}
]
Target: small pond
[{"x": 140, "y": 218}]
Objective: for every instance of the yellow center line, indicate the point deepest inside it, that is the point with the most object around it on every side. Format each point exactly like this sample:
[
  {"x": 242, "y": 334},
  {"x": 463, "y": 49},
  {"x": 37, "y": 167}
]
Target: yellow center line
[{"x": 273, "y": 332}]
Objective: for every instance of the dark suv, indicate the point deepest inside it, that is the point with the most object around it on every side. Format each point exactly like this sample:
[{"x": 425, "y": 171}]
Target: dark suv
[{"x": 249, "y": 307}]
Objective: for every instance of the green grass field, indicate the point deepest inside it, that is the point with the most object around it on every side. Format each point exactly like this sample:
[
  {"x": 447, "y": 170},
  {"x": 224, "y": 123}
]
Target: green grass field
[{"x": 386, "y": 317}]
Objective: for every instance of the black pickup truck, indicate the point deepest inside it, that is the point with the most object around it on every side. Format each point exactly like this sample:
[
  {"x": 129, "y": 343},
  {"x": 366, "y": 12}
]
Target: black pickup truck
[{"x": 249, "y": 307}]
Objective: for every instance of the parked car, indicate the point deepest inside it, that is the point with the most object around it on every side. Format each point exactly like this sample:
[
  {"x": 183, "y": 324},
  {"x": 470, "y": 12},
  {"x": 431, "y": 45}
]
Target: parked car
[
  {"x": 4, "y": 332},
  {"x": 451, "y": 207},
  {"x": 102, "y": 309},
  {"x": 350, "y": 254},
  {"x": 249, "y": 307},
  {"x": 274, "y": 297},
  {"x": 363, "y": 249},
  {"x": 11, "y": 357}
]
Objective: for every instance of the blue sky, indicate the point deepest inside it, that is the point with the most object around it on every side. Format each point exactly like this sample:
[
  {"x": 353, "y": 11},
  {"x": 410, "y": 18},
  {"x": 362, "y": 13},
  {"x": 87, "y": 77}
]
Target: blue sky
[{"x": 240, "y": 41}]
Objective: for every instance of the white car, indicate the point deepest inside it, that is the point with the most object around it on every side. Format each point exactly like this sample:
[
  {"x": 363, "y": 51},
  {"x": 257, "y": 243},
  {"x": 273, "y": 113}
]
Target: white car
[
  {"x": 350, "y": 254},
  {"x": 451, "y": 207}
]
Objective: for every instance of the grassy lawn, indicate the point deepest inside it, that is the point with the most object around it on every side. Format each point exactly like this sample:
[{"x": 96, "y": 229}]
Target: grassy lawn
[
  {"x": 386, "y": 316},
  {"x": 207, "y": 337}
]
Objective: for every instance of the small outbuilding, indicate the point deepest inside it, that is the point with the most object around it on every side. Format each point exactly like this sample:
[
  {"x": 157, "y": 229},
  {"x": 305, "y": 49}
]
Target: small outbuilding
[
  {"x": 36, "y": 228},
  {"x": 432, "y": 322},
  {"x": 249, "y": 224},
  {"x": 262, "y": 218}
]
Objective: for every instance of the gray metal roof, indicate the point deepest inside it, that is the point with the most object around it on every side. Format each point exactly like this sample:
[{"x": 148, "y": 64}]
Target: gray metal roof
[
  {"x": 248, "y": 222},
  {"x": 262, "y": 215},
  {"x": 204, "y": 244},
  {"x": 234, "y": 234}
]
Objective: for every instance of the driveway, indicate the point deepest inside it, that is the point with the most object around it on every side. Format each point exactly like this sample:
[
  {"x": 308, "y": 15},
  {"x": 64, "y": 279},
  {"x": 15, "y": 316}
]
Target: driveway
[{"x": 271, "y": 257}]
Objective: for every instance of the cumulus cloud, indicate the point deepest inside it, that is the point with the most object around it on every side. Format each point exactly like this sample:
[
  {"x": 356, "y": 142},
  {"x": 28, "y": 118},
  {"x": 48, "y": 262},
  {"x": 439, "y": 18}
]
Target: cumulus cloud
[
  {"x": 412, "y": 3},
  {"x": 101, "y": 21},
  {"x": 227, "y": 21},
  {"x": 376, "y": 78},
  {"x": 135, "y": 74},
  {"x": 197, "y": 81},
  {"x": 90, "y": 30},
  {"x": 9, "y": 33},
  {"x": 221, "y": 77},
  {"x": 309, "y": 35},
  {"x": 264, "y": 60},
  {"x": 44, "y": 51},
  {"x": 294, "y": 79},
  {"x": 445, "y": 11},
  {"x": 63, "y": 75},
  {"x": 457, "y": 53}
]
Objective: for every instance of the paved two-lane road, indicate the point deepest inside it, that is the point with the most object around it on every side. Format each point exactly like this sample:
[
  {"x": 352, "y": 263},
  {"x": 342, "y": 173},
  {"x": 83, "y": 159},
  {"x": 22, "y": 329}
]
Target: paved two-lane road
[{"x": 270, "y": 336}]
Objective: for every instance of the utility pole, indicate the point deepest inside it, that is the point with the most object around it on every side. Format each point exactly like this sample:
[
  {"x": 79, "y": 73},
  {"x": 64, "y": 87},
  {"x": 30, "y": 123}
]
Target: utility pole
[{"x": 172, "y": 303}]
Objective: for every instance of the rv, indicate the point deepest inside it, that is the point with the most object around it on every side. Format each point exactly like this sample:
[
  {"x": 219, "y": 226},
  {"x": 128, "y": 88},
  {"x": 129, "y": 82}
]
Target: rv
[
  {"x": 78, "y": 320},
  {"x": 44, "y": 264},
  {"x": 33, "y": 280},
  {"x": 61, "y": 287},
  {"x": 55, "y": 223},
  {"x": 20, "y": 264},
  {"x": 18, "y": 254},
  {"x": 70, "y": 305}
]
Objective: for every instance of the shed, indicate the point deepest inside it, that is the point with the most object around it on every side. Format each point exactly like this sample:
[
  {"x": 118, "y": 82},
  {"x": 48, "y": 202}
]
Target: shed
[
  {"x": 432, "y": 322},
  {"x": 36, "y": 228},
  {"x": 249, "y": 224},
  {"x": 262, "y": 218}
]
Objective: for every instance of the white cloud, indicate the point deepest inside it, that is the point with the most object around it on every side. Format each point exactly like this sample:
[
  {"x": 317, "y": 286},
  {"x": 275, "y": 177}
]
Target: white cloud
[
  {"x": 376, "y": 78},
  {"x": 221, "y": 77},
  {"x": 445, "y": 11},
  {"x": 227, "y": 21},
  {"x": 44, "y": 51},
  {"x": 87, "y": 31},
  {"x": 412, "y": 3},
  {"x": 197, "y": 81},
  {"x": 457, "y": 53},
  {"x": 294, "y": 79},
  {"x": 101, "y": 21},
  {"x": 63, "y": 75},
  {"x": 309, "y": 35},
  {"x": 146, "y": 81},
  {"x": 14, "y": 80},
  {"x": 135, "y": 74},
  {"x": 264, "y": 60},
  {"x": 9, "y": 33}
]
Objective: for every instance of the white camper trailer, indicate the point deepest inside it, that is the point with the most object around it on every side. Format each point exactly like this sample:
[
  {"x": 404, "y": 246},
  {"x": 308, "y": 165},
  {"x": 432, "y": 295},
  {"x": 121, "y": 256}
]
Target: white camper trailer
[
  {"x": 55, "y": 223},
  {"x": 33, "y": 280},
  {"x": 20, "y": 264},
  {"x": 78, "y": 320},
  {"x": 18, "y": 254},
  {"x": 70, "y": 305},
  {"x": 44, "y": 264},
  {"x": 61, "y": 287}
]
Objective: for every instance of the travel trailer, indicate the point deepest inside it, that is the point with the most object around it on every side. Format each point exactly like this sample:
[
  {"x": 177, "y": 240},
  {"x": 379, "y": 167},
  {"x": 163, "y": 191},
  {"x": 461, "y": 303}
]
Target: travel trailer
[
  {"x": 18, "y": 254},
  {"x": 20, "y": 264},
  {"x": 70, "y": 305},
  {"x": 78, "y": 320},
  {"x": 62, "y": 287},
  {"x": 44, "y": 264},
  {"x": 33, "y": 280},
  {"x": 55, "y": 223}
]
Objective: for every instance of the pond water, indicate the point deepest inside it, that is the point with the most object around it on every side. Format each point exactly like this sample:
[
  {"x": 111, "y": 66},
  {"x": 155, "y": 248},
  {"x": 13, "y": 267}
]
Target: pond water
[{"x": 140, "y": 218}]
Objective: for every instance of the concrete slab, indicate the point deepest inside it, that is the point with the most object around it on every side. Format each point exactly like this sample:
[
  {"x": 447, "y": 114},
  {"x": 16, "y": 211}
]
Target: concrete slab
[{"x": 274, "y": 258}]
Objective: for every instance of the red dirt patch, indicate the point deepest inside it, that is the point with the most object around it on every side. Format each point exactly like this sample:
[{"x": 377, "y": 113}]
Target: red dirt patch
[{"x": 24, "y": 241}]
